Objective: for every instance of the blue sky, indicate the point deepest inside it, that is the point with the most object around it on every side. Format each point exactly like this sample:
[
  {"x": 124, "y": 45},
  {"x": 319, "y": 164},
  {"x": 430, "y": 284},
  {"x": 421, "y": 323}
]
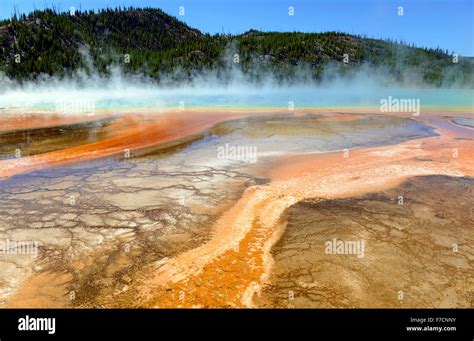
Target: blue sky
[{"x": 444, "y": 23}]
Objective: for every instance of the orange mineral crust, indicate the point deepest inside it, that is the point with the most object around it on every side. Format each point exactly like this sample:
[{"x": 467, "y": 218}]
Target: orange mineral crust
[
  {"x": 128, "y": 132},
  {"x": 231, "y": 267},
  {"x": 11, "y": 122}
]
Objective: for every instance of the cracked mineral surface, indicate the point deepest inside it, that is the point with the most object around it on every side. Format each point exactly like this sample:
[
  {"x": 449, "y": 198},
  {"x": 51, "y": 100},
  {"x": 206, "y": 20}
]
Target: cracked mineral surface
[
  {"x": 145, "y": 211},
  {"x": 421, "y": 247}
]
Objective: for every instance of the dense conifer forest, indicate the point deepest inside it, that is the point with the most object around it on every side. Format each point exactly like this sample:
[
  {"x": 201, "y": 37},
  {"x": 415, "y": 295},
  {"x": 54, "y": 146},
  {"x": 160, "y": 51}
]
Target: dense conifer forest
[{"x": 149, "y": 42}]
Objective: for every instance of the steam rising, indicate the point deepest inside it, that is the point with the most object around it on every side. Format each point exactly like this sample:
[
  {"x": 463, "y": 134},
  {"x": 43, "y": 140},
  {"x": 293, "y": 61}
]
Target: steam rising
[{"x": 229, "y": 87}]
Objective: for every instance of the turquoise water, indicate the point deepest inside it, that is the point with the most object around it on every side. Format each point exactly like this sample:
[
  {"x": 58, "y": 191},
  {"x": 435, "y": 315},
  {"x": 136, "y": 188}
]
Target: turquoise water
[{"x": 156, "y": 98}]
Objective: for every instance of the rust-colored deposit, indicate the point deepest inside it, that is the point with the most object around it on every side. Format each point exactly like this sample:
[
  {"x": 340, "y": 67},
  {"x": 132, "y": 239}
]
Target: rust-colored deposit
[
  {"x": 232, "y": 267},
  {"x": 128, "y": 132},
  {"x": 234, "y": 264}
]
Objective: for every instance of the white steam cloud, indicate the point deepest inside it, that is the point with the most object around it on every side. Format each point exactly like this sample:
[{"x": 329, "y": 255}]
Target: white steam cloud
[{"x": 219, "y": 88}]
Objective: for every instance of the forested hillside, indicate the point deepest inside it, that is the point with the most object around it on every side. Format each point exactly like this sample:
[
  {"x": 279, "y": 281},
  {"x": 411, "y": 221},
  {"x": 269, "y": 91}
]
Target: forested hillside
[{"x": 149, "y": 42}]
